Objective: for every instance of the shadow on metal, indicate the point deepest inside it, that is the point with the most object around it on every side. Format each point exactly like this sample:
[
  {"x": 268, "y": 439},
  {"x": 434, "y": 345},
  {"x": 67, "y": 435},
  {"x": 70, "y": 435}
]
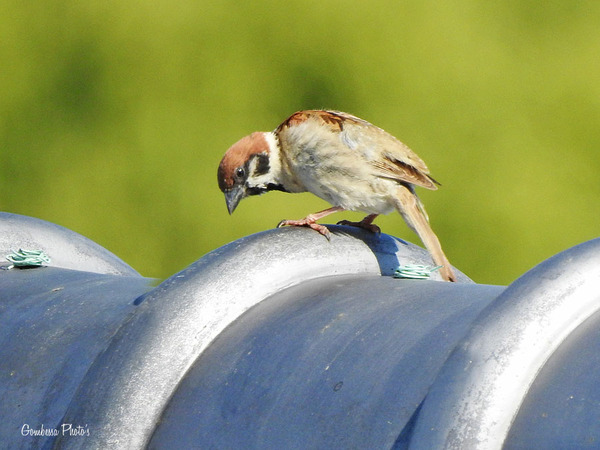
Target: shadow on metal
[
  {"x": 54, "y": 321},
  {"x": 179, "y": 319},
  {"x": 283, "y": 339}
]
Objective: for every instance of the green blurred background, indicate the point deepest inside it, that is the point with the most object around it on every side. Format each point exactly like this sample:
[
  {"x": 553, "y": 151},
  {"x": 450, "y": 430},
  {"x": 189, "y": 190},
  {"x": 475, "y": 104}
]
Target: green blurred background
[{"x": 114, "y": 116}]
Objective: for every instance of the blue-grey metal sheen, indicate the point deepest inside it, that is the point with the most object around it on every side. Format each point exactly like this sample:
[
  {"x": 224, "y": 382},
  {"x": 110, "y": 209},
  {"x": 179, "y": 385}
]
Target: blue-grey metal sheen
[
  {"x": 69, "y": 250},
  {"x": 286, "y": 340},
  {"x": 479, "y": 391}
]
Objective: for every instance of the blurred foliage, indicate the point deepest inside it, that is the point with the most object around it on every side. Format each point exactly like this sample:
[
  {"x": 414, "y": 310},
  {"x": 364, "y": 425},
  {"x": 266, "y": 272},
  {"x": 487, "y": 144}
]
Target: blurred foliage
[{"x": 114, "y": 116}]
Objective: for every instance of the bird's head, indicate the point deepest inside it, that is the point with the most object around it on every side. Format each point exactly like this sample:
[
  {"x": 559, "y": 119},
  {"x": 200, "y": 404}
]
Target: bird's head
[{"x": 247, "y": 168}]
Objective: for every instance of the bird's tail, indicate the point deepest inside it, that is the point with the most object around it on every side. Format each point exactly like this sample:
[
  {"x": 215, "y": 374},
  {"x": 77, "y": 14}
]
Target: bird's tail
[{"x": 415, "y": 216}]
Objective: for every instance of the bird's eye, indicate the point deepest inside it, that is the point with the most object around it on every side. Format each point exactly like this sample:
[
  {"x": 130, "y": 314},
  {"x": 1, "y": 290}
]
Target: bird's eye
[{"x": 240, "y": 172}]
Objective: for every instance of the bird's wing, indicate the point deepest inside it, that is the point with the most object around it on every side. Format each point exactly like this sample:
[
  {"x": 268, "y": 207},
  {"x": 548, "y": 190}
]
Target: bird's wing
[
  {"x": 334, "y": 120},
  {"x": 389, "y": 157}
]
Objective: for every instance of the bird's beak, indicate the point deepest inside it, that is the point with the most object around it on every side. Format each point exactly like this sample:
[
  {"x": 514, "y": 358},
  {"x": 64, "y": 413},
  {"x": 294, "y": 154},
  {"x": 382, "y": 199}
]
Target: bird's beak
[{"x": 233, "y": 197}]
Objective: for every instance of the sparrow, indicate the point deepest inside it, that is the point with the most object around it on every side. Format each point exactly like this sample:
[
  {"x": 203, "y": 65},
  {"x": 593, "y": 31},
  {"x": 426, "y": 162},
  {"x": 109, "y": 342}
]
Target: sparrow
[{"x": 340, "y": 158}]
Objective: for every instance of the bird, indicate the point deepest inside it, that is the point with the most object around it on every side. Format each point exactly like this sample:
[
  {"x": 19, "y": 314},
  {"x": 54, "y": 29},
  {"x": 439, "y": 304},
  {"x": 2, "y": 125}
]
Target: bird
[{"x": 344, "y": 160}]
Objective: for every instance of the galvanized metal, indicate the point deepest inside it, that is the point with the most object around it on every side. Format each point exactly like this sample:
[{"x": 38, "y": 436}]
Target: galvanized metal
[
  {"x": 336, "y": 362},
  {"x": 180, "y": 318},
  {"x": 480, "y": 389},
  {"x": 562, "y": 406},
  {"x": 286, "y": 340},
  {"x": 67, "y": 249},
  {"x": 53, "y": 324}
]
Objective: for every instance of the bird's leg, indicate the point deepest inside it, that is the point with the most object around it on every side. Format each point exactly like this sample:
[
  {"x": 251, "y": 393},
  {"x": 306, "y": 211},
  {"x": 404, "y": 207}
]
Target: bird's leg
[
  {"x": 366, "y": 223},
  {"x": 311, "y": 219}
]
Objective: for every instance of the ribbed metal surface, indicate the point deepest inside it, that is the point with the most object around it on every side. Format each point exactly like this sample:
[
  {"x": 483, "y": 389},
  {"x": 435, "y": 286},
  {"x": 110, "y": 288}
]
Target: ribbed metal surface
[
  {"x": 53, "y": 324},
  {"x": 478, "y": 393},
  {"x": 286, "y": 340},
  {"x": 337, "y": 362},
  {"x": 67, "y": 249},
  {"x": 179, "y": 319}
]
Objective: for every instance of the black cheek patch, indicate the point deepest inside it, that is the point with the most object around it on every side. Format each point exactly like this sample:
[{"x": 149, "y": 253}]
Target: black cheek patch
[{"x": 262, "y": 164}]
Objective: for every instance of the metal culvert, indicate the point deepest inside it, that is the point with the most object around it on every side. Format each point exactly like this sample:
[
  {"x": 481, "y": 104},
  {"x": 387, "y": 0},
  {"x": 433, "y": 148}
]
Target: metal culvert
[{"x": 284, "y": 340}]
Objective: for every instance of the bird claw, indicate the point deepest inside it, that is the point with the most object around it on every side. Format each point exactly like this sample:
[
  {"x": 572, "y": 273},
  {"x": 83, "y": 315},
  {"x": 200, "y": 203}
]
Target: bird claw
[
  {"x": 362, "y": 224},
  {"x": 306, "y": 223}
]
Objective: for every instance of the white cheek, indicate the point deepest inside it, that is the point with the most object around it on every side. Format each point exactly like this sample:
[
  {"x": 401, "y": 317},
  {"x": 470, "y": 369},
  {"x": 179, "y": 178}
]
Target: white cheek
[
  {"x": 260, "y": 181},
  {"x": 274, "y": 155}
]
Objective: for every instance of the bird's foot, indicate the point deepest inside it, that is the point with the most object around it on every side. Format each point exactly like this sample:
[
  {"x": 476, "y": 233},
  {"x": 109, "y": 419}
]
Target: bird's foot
[
  {"x": 366, "y": 223},
  {"x": 308, "y": 221}
]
